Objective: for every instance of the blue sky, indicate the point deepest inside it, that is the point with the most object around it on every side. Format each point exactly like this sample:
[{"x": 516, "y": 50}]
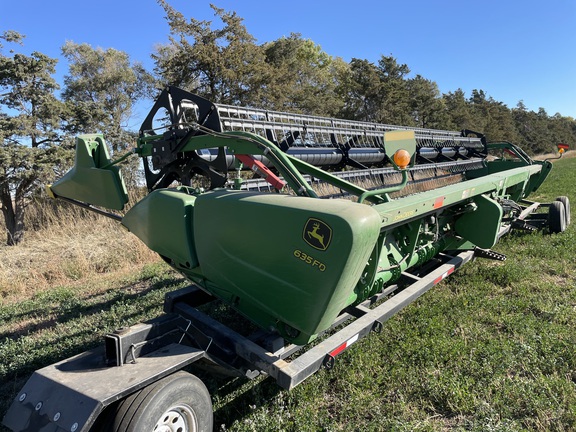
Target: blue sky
[{"x": 513, "y": 50}]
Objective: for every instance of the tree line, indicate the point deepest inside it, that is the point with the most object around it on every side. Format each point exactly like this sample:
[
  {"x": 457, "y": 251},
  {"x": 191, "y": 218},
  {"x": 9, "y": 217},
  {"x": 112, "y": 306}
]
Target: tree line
[{"x": 39, "y": 118}]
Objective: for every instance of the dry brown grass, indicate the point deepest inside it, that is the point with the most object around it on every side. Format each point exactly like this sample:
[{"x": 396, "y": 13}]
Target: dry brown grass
[{"x": 64, "y": 245}]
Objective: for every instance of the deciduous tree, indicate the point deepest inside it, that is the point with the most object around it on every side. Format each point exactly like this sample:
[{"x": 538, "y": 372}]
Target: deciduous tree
[{"x": 101, "y": 89}]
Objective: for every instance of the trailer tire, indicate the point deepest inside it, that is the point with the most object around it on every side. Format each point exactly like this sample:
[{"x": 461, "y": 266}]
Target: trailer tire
[
  {"x": 564, "y": 200},
  {"x": 179, "y": 402},
  {"x": 557, "y": 217}
]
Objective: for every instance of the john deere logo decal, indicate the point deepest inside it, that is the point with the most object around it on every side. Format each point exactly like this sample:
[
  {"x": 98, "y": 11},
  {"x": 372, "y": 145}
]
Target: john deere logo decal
[{"x": 317, "y": 234}]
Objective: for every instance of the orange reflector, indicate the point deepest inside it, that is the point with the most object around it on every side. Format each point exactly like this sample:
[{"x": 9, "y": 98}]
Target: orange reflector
[
  {"x": 402, "y": 158},
  {"x": 438, "y": 202}
]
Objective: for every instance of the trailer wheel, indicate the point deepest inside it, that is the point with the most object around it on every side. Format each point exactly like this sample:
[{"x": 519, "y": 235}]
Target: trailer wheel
[
  {"x": 557, "y": 217},
  {"x": 179, "y": 402},
  {"x": 564, "y": 200}
]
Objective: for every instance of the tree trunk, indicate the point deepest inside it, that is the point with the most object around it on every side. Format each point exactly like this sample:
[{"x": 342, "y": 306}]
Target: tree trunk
[{"x": 13, "y": 218}]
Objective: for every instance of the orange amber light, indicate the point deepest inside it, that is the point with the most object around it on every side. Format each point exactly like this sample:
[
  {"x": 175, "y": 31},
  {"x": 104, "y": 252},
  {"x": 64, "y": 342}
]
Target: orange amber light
[{"x": 402, "y": 158}]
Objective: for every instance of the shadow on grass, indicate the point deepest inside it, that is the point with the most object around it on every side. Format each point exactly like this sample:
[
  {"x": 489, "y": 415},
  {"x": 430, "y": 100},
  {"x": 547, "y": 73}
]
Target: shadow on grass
[
  {"x": 70, "y": 309},
  {"x": 235, "y": 398},
  {"x": 19, "y": 361},
  {"x": 240, "y": 395}
]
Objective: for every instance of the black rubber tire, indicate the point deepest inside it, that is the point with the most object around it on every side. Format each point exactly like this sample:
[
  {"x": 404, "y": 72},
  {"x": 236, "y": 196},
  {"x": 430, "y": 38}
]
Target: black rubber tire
[
  {"x": 564, "y": 200},
  {"x": 180, "y": 401},
  {"x": 556, "y": 217}
]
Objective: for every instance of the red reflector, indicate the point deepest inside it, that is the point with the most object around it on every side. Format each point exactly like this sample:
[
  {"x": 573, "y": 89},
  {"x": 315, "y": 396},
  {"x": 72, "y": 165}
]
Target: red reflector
[
  {"x": 338, "y": 350},
  {"x": 342, "y": 347},
  {"x": 444, "y": 275},
  {"x": 563, "y": 146}
]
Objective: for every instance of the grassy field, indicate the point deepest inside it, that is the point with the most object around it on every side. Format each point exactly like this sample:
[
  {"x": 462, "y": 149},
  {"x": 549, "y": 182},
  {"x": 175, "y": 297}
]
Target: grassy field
[{"x": 489, "y": 349}]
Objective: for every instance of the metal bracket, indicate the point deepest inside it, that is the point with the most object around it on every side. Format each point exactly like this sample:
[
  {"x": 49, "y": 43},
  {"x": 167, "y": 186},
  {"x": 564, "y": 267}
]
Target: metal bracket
[
  {"x": 523, "y": 225},
  {"x": 125, "y": 345},
  {"x": 71, "y": 394},
  {"x": 329, "y": 361}
]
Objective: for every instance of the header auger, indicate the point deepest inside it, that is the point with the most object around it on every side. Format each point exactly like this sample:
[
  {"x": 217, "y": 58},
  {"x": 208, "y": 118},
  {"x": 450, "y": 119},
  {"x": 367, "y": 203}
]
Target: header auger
[{"x": 337, "y": 216}]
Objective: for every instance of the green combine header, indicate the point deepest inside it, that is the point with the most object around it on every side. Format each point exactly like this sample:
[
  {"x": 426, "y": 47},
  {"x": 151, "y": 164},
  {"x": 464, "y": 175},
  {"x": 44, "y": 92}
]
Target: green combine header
[{"x": 300, "y": 223}]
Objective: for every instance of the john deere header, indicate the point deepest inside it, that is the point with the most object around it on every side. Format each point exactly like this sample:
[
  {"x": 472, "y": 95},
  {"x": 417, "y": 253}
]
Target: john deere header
[{"x": 292, "y": 218}]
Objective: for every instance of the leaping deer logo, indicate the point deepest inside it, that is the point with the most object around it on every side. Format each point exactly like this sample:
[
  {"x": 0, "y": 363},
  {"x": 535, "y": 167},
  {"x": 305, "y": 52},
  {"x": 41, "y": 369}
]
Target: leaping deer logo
[
  {"x": 314, "y": 234},
  {"x": 317, "y": 234}
]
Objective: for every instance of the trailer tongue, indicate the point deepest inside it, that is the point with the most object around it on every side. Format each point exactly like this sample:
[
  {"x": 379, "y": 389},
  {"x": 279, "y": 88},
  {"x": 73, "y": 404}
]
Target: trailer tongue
[{"x": 340, "y": 225}]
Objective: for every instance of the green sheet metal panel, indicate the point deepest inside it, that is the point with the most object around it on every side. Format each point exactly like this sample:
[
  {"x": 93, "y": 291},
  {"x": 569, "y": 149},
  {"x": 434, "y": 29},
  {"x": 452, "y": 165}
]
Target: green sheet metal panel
[
  {"x": 407, "y": 208},
  {"x": 286, "y": 262},
  {"x": 163, "y": 221},
  {"x": 92, "y": 179},
  {"x": 481, "y": 226}
]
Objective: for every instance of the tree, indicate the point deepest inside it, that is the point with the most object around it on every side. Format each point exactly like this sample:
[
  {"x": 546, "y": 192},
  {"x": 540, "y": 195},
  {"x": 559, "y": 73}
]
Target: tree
[
  {"x": 458, "y": 110},
  {"x": 426, "y": 106},
  {"x": 377, "y": 93},
  {"x": 303, "y": 78},
  {"x": 527, "y": 126},
  {"x": 100, "y": 91},
  {"x": 492, "y": 118},
  {"x": 561, "y": 130},
  {"x": 539, "y": 133},
  {"x": 361, "y": 90},
  {"x": 479, "y": 110},
  {"x": 29, "y": 131},
  {"x": 224, "y": 65},
  {"x": 395, "y": 107}
]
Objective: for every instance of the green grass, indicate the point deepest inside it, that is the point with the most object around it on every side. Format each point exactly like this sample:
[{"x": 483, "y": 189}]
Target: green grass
[{"x": 489, "y": 349}]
